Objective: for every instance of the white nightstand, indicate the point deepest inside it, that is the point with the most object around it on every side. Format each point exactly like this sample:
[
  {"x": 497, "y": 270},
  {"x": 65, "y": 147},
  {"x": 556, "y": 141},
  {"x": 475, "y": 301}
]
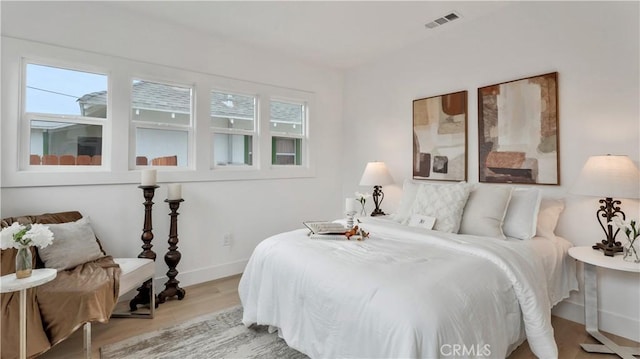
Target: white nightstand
[
  {"x": 594, "y": 258},
  {"x": 9, "y": 283}
]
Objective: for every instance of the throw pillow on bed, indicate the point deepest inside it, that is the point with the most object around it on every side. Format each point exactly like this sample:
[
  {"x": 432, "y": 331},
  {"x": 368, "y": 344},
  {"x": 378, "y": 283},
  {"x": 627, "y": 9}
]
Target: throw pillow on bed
[
  {"x": 522, "y": 214},
  {"x": 548, "y": 217},
  {"x": 74, "y": 243},
  {"x": 409, "y": 192},
  {"x": 485, "y": 211},
  {"x": 444, "y": 202}
]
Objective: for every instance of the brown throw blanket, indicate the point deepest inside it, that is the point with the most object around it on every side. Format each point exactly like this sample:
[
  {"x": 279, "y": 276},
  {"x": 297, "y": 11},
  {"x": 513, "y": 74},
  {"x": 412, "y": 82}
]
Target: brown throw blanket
[{"x": 56, "y": 309}]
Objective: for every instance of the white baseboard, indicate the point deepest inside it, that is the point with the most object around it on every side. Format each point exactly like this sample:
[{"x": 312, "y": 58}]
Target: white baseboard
[
  {"x": 608, "y": 322},
  {"x": 204, "y": 274}
]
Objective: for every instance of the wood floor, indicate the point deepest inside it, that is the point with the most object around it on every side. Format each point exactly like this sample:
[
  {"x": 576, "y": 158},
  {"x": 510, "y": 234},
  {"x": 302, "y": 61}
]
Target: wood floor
[{"x": 222, "y": 293}]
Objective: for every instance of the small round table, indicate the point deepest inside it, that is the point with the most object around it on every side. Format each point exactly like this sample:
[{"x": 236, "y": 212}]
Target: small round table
[
  {"x": 9, "y": 283},
  {"x": 595, "y": 258}
]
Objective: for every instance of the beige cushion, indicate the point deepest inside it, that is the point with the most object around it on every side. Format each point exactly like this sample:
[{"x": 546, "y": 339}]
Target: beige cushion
[
  {"x": 485, "y": 210},
  {"x": 134, "y": 272},
  {"x": 74, "y": 243}
]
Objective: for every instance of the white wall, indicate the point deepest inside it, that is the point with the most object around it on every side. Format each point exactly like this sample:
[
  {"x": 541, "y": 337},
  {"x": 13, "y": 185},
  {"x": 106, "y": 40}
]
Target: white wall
[
  {"x": 593, "y": 46},
  {"x": 250, "y": 210}
]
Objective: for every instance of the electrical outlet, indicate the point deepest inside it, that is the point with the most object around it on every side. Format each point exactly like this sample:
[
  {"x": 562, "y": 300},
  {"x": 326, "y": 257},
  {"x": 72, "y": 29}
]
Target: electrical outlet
[{"x": 227, "y": 240}]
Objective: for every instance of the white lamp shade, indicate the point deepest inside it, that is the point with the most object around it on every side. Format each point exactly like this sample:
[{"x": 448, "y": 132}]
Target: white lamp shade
[
  {"x": 376, "y": 174},
  {"x": 608, "y": 176}
]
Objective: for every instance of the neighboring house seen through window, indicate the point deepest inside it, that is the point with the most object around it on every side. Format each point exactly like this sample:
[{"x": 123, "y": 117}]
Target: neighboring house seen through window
[
  {"x": 233, "y": 129},
  {"x": 287, "y": 126},
  {"x": 161, "y": 117},
  {"x": 64, "y": 128},
  {"x": 81, "y": 118}
]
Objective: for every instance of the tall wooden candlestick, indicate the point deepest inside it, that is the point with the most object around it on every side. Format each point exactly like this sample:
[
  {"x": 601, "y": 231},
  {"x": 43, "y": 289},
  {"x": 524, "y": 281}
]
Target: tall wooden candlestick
[
  {"x": 172, "y": 258},
  {"x": 145, "y": 291}
]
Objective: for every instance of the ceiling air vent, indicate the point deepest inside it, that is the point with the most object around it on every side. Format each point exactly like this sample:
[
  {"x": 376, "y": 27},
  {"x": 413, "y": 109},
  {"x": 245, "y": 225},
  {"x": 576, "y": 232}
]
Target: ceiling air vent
[{"x": 442, "y": 20}]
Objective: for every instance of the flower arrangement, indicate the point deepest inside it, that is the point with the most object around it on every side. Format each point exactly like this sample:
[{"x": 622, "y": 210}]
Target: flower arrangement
[
  {"x": 362, "y": 198},
  {"x": 631, "y": 229},
  {"x": 18, "y": 235},
  {"x": 22, "y": 237}
]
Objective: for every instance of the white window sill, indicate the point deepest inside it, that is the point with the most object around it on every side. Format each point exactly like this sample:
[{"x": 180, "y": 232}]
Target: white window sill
[{"x": 102, "y": 176}]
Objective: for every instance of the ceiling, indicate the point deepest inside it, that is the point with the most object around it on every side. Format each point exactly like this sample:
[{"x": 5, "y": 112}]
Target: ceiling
[{"x": 337, "y": 34}]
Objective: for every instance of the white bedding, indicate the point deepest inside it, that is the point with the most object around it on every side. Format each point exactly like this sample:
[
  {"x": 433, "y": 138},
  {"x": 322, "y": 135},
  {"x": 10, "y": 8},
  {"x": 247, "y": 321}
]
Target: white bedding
[{"x": 407, "y": 293}]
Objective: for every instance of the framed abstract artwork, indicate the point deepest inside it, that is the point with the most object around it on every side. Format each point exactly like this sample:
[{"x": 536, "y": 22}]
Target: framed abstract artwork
[
  {"x": 440, "y": 137},
  {"x": 518, "y": 131}
]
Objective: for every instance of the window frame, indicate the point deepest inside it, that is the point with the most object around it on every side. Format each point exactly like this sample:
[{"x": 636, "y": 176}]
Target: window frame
[
  {"x": 25, "y": 117},
  {"x": 255, "y": 133},
  {"x": 303, "y": 137},
  {"x": 118, "y": 154},
  {"x": 135, "y": 125}
]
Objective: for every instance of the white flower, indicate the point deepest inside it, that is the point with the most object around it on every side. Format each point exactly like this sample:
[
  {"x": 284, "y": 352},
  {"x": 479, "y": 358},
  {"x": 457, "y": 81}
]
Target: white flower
[
  {"x": 362, "y": 197},
  {"x": 17, "y": 235},
  {"x": 40, "y": 235},
  {"x": 615, "y": 221},
  {"x": 6, "y": 236},
  {"x": 629, "y": 227},
  {"x": 626, "y": 225}
]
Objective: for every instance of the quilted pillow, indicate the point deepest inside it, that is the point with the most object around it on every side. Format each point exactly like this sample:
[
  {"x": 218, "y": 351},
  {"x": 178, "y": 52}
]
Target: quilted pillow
[
  {"x": 485, "y": 211},
  {"x": 522, "y": 213},
  {"x": 444, "y": 202},
  {"x": 74, "y": 243}
]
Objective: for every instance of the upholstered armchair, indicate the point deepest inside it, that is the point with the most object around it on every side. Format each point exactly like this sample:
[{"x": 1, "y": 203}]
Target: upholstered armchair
[{"x": 86, "y": 289}]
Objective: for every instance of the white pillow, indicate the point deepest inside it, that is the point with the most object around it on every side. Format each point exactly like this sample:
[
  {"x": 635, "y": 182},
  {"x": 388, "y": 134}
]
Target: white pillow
[
  {"x": 444, "y": 202},
  {"x": 409, "y": 192},
  {"x": 522, "y": 213},
  {"x": 485, "y": 211},
  {"x": 548, "y": 216},
  {"x": 73, "y": 243}
]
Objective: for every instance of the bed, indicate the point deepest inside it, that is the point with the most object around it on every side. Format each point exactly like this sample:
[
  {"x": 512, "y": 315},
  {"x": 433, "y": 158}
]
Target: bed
[{"x": 408, "y": 292}]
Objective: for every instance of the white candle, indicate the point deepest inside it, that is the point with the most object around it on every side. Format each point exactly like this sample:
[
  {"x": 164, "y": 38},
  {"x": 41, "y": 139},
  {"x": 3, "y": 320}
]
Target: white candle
[
  {"x": 175, "y": 192},
  {"x": 148, "y": 178},
  {"x": 350, "y": 205}
]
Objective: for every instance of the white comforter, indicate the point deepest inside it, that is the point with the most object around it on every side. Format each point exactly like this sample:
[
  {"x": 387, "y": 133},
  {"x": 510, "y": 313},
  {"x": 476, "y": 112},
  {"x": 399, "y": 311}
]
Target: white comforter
[{"x": 402, "y": 293}]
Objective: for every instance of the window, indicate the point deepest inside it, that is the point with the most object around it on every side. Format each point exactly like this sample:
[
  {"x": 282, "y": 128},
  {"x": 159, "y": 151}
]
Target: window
[
  {"x": 65, "y": 111},
  {"x": 161, "y": 117},
  {"x": 286, "y": 151},
  {"x": 233, "y": 128},
  {"x": 78, "y": 118},
  {"x": 287, "y": 125}
]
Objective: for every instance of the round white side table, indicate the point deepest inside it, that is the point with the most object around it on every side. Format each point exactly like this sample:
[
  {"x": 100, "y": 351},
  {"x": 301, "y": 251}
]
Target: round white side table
[
  {"x": 592, "y": 259},
  {"x": 9, "y": 283}
]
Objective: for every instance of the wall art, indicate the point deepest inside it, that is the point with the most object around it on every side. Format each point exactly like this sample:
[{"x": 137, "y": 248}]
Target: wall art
[
  {"x": 440, "y": 137},
  {"x": 518, "y": 131}
]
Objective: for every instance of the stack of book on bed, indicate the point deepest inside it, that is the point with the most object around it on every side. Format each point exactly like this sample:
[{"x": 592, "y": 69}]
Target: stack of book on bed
[{"x": 326, "y": 230}]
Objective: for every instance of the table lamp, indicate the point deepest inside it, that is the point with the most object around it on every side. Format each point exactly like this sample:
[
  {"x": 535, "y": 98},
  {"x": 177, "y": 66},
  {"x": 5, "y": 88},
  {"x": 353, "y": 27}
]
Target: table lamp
[
  {"x": 376, "y": 174},
  {"x": 608, "y": 176}
]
